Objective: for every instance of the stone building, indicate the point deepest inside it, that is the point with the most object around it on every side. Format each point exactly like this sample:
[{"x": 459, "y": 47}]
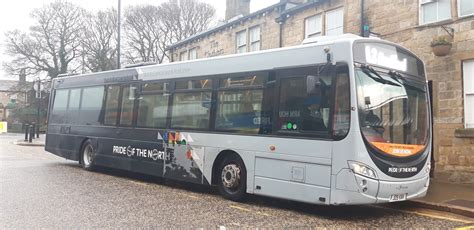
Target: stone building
[
  {"x": 12, "y": 94},
  {"x": 411, "y": 23}
]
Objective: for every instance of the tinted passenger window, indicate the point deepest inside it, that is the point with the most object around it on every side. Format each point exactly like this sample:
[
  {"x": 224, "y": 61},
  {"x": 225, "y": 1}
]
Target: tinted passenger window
[
  {"x": 91, "y": 105},
  {"x": 303, "y": 108},
  {"x": 58, "y": 115},
  {"x": 111, "y": 105},
  {"x": 153, "y": 110},
  {"x": 126, "y": 113},
  {"x": 73, "y": 109},
  {"x": 240, "y": 110},
  {"x": 191, "y": 110}
]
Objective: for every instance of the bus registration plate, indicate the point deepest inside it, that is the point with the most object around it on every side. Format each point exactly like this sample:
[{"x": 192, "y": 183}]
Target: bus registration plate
[{"x": 398, "y": 197}]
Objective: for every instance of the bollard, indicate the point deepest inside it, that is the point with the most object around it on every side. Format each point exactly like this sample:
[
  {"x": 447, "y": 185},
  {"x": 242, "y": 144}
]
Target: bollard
[
  {"x": 31, "y": 133},
  {"x": 34, "y": 130},
  {"x": 26, "y": 131}
]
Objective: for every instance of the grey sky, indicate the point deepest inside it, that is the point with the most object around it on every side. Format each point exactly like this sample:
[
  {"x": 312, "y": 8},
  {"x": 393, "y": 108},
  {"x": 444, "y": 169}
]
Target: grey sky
[{"x": 16, "y": 14}]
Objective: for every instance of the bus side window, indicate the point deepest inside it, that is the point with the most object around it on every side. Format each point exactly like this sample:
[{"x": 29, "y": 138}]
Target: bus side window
[
  {"x": 111, "y": 105},
  {"x": 126, "y": 108},
  {"x": 239, "y": 103},
  {"x": 59, "y": 111},
  {"x": 73, "y": 107},
  {"x": 192, "y": 104},
  {"x": 153, "y": 105},
  {"x": 91, "y": 105}
]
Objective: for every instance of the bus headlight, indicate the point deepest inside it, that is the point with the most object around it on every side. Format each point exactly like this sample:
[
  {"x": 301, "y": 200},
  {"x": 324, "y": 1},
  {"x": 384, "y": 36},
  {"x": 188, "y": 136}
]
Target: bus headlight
[{"x": 362, "y": 169}]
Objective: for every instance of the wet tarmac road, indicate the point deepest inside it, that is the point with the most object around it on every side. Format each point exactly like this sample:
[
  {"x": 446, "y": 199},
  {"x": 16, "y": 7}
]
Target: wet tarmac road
[{"x": 40, "y": 190}]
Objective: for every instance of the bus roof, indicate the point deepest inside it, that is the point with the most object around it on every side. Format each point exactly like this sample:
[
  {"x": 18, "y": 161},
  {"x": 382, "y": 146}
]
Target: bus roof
[{"x": 301, "y": 55}]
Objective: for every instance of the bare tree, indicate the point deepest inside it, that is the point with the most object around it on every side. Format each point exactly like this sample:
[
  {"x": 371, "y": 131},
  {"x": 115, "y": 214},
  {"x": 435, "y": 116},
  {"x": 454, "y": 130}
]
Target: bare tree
[
  {"x": 150, "y": 29},
  {"x": 184, "y": 18},
  {"x": 143, "y": 34},
  {"x": 52, "y": 43},
  {"x": 100, "y": 42}
]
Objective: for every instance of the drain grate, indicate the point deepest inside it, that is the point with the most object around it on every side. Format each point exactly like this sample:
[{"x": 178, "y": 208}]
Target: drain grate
[{"x": 462, "y": 203}]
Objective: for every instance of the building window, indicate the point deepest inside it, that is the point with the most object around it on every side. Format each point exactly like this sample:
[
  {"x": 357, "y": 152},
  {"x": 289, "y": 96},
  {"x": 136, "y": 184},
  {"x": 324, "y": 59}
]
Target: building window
[
  {"x": 335, "y": 22},
  {"x": 466, "y": 7},
  {"x": 468, "y": 78},
  {"x": 241, "y": 39},
  {"x": 183, "y": 56},
  {"x": 313, "y": 26},
  {"x": 434, "y": 10},
  {"x": 255, "y": 38},
  {"x": 193, "y": 53}
]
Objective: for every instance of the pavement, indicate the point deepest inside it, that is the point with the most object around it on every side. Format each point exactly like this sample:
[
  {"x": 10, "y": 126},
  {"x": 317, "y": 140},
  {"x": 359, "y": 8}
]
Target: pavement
[
  {"x": 41, "y": 190},
  {"x": 454, "y": 198},
  {"x": 34, "y": 142}
]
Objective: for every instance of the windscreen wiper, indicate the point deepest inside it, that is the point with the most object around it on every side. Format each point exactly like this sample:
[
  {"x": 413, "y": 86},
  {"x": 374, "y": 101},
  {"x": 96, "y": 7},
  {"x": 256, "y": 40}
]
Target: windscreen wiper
[
  {"x": 396, "y": 76},
  {"x": 399, "y": 78},
  {"x": 371, "y": 72}
]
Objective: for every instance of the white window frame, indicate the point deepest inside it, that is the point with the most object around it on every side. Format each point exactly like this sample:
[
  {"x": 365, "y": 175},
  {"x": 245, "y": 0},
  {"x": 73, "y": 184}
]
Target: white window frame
[
  {"x": 238, "y": 47},
  {"x": 306, "y": 26},
  {"x": 257, "y": 41},
  {"x": 459, "y": 10},
  {"x": 192, "y": 53},
  {"x": 326, "y": 20},
  {"x": 420, "y": 10},
  {"x": 468, "y": 112}
]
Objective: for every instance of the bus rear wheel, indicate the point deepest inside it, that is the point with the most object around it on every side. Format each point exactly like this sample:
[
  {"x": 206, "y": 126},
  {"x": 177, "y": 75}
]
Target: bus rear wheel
[
  {"x": 232, "y": 181},
  {"x": 87, "y": 156}
]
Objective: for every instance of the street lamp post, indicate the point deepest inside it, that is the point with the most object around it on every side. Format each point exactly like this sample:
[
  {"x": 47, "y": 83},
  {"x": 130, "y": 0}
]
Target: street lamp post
[{"x": 118, "y": 35}]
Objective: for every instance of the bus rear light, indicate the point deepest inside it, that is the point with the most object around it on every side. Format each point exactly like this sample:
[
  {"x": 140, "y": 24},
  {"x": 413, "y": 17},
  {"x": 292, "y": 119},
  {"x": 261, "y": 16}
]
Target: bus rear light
[{"x": 362, "y": 169}]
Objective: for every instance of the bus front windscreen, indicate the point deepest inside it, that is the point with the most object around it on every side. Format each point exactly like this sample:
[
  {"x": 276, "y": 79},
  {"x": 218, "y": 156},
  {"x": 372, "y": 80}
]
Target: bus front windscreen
[{"x": 393, "y": 112}]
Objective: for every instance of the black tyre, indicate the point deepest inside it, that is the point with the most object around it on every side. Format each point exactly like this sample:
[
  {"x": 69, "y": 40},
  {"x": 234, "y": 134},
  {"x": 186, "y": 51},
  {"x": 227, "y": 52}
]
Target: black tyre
[
  {"x": 232, "y": 178},
  {"x": 86, "y": 157}
]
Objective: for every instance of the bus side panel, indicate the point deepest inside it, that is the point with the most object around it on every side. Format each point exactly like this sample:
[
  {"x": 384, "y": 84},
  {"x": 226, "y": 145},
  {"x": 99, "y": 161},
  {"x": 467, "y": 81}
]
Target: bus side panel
[
  {"x": 295, "y": 180},
  {"x": 62, "y": 144},
  {"x": 131, "y": 155}
]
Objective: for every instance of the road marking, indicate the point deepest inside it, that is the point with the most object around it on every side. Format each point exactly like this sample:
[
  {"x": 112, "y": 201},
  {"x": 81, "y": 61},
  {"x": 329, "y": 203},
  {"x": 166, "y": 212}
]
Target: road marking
[
  {"x": 191, "y": 196},
  {"x": 249, "y": 210},
  {"x": 427, "y": 215},
  {"x": 469, "y": 227},
  {"x": 139, "y": 182}
]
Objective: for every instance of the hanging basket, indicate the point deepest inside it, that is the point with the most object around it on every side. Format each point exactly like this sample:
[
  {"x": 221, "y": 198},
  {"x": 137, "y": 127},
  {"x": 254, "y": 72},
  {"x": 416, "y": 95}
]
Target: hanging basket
[{"x": 441, "y": 50}]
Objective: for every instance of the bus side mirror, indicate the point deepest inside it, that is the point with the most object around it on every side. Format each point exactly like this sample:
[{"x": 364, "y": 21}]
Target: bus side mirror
[{"x": 312, "y": 83}]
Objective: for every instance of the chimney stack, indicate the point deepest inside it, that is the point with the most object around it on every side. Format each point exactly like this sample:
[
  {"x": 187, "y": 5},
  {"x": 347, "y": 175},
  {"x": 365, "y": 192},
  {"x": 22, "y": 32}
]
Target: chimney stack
[{"x": 236, "y": 8}]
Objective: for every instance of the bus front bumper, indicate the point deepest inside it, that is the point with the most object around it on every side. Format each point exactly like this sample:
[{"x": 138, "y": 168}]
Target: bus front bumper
[{"x": 364, "y": 190}]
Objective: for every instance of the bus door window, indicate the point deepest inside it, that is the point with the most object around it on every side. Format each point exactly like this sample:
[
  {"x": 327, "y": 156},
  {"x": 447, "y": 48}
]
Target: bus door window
[
  {"x": 304, "y": 108},
  {"x": 342, "y": 102}
]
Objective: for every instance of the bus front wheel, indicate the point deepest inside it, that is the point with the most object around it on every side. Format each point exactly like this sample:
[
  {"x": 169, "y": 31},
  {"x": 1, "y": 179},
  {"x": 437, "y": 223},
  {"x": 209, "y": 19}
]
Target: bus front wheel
[
  {"x": 87, "y": 156},
  {"x": 232, "y": 181}
]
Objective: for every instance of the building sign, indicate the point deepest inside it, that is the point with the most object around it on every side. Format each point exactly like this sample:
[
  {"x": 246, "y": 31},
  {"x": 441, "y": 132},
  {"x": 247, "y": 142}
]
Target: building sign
[{"x": 215, "y": 50}]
